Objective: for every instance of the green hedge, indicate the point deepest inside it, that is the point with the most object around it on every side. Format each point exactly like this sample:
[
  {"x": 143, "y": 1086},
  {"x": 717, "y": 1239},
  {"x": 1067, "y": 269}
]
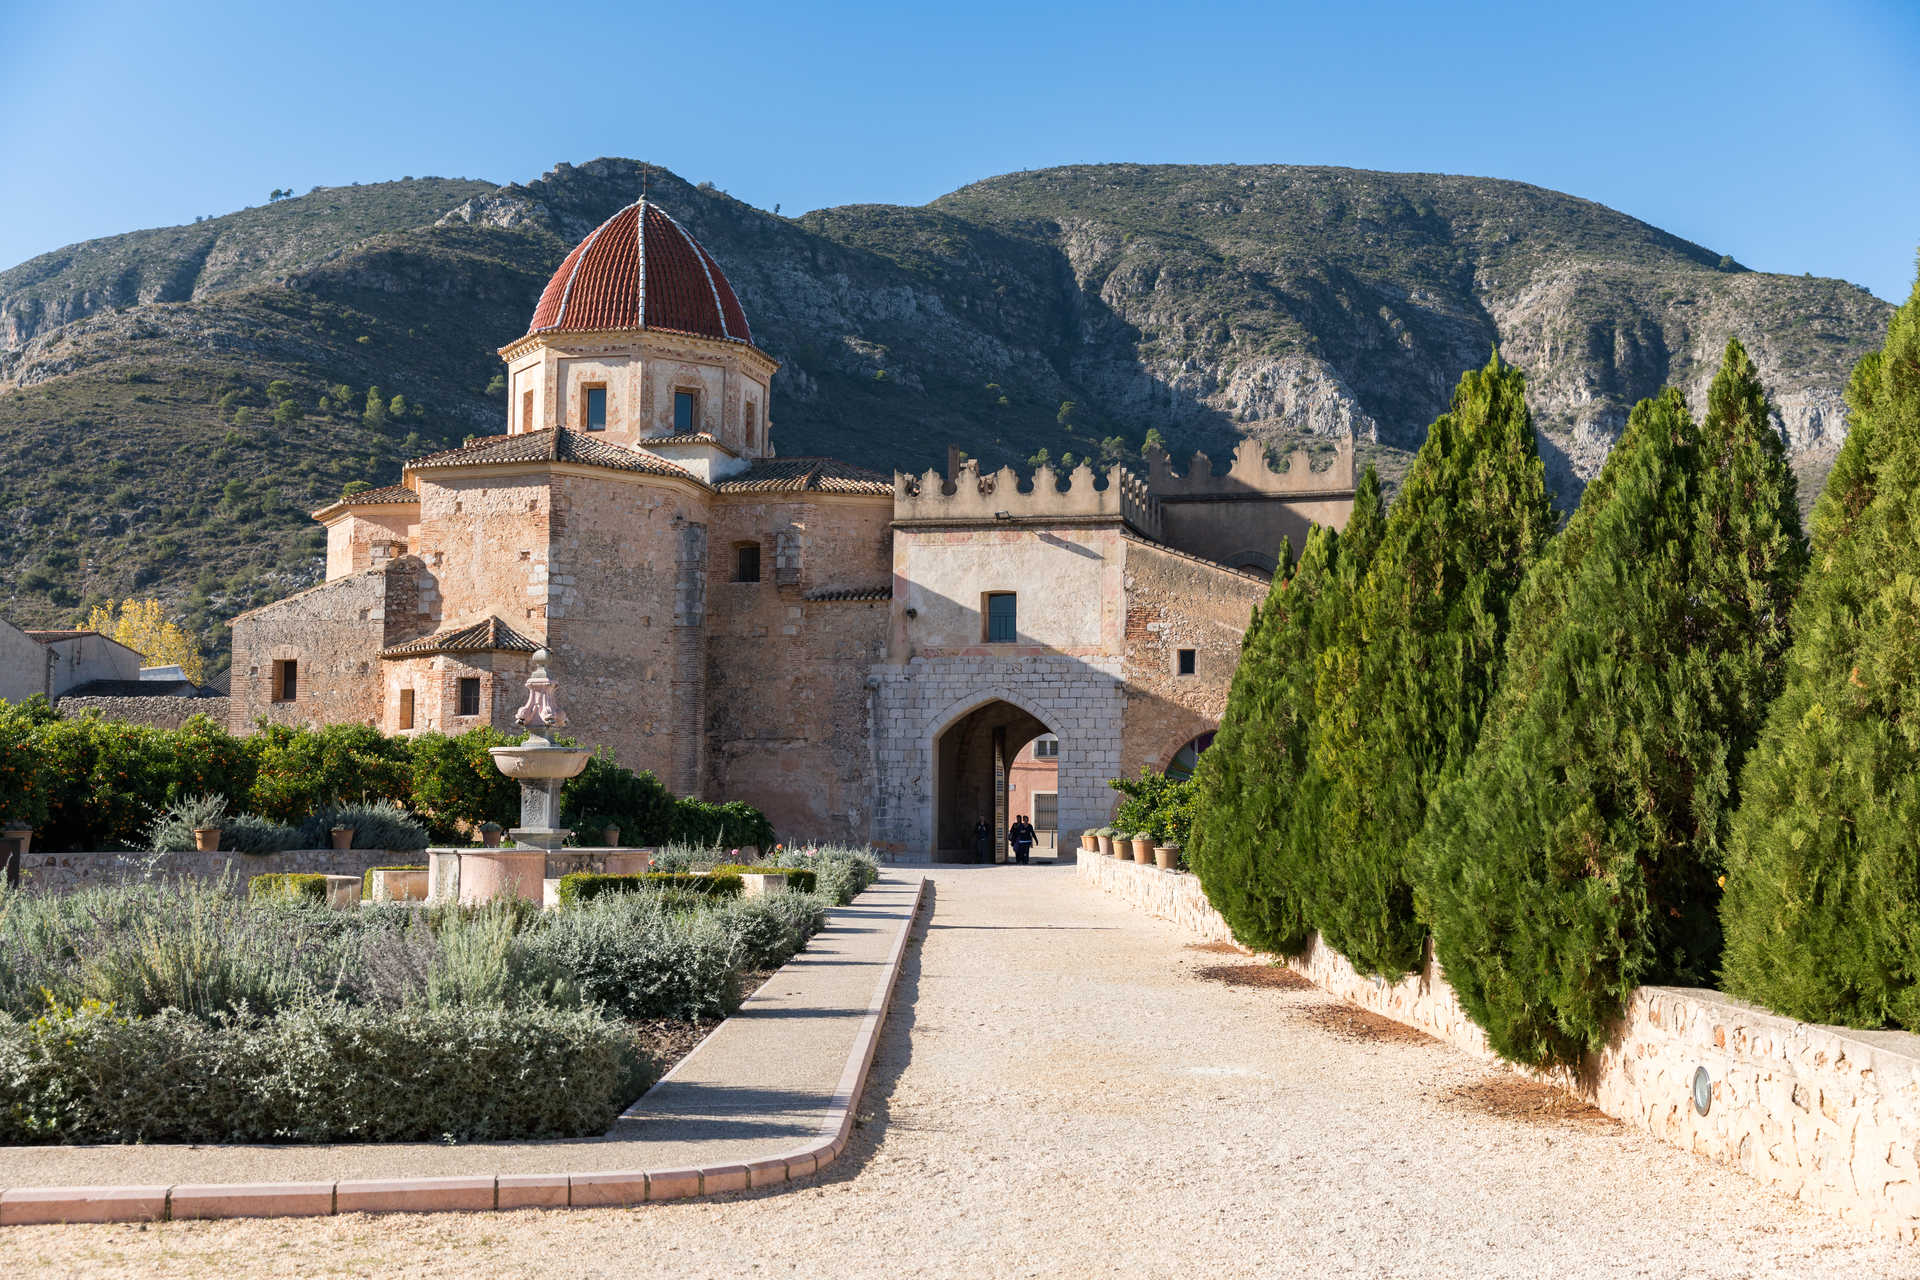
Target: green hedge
[
  {"x": 291, "y": 886},
  {"x": 584, "y": 886},
  {"x": 90, "y": 783},
  {"x": 799, "y": 879},
  {"x": 322, "y": 1073}
]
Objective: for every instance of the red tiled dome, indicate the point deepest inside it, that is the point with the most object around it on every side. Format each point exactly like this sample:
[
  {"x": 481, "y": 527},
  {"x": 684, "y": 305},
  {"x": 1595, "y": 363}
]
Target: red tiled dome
[{"x": 619, "y": 278}]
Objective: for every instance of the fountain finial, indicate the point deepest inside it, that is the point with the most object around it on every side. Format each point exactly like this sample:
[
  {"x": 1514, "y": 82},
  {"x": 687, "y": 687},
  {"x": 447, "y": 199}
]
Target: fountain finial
[{"x": 539, "y": 714}]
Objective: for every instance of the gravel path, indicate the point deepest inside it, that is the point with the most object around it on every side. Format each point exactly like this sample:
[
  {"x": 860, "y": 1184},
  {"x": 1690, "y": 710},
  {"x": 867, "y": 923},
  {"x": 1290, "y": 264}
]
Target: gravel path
[{"x": 1062, "y": 1091}]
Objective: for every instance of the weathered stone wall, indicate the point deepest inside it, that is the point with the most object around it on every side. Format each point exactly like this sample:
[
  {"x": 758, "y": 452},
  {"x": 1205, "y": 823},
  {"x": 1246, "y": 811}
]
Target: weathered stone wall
[
  {"x": 65, "y": 872},
  {"x": 484, "y": 537},
  {"x": 1068, "y": 579},
  {"x": 1828, "y": 1114},
  {"x": 335, "y": 632},
  {"x": 161, "y": 713},
  {"x": 618, "y": 593},
  {"x": 1239, "y": 516},
  {"x": 361, "y": 537},
  {"x": 787, "y": 704},
  {"x": 1176, "y": 602}
]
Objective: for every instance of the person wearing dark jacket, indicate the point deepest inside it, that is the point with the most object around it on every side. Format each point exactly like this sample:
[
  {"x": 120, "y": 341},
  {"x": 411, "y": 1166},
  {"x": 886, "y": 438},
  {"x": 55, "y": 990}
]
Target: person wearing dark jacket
[
  {"x": 1021, "y": 836},
  {"x": 982, "y": 840}
]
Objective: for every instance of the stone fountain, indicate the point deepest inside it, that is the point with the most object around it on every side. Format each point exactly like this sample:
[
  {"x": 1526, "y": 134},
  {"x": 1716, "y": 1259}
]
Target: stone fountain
[{"x": 541, "y": 767}]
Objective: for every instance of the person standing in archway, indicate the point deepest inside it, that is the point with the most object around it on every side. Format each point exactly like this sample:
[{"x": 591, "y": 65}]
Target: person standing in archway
[
  {"x": 1021, "y": 836},
  {"x": 982, "y": 840}
]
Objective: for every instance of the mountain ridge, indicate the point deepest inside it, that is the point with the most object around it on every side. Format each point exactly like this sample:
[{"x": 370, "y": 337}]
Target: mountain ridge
[{"x": 1071, "y": 309}]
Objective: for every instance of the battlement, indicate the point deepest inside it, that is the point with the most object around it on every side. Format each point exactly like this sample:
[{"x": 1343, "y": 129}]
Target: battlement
[
  {"x": 1250, "y": 475},
  {"x": 968, "y": 497}
]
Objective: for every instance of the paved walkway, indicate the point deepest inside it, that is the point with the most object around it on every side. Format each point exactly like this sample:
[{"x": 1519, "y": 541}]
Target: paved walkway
[
  {"x": 1061, "y": 1091},
  {"x": 759, "y": 1086}
]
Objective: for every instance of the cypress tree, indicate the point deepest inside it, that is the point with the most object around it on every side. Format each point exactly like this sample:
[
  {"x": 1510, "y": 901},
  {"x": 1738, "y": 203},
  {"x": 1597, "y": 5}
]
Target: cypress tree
[
  {"x": 1247, "y": 785},
  {"x": 1575, "y": 857},
  {"x": 1403, "y": 687},
  {"x": 1822, "y": 906}
]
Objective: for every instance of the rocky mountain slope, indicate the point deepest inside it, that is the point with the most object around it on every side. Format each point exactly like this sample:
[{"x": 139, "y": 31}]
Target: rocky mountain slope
[{"x": 171, "y": 401}]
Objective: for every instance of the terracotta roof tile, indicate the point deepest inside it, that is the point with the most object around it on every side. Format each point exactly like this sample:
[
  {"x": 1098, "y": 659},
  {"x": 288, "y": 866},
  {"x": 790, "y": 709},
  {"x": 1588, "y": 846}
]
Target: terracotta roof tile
[
  {"x": 386, "y": 493},
  {"x": 850, "y": 593},
  {"x": 48, "y": 637},
  {"x": 695, "y": 437},
  {"x": 491, "y": 636},
  {"x": 806, "y": 475},
  {"x": 641, "y": 270},
  {"x": 559, "y": 444}
]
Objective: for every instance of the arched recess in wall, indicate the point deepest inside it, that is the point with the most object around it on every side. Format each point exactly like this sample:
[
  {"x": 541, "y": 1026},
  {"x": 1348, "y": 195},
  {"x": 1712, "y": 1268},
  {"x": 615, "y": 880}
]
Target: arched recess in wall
[
  {"x": 971, "y": 749},
  {"x": 1180, "y": 762},
  {"x": 1260, "y": 562}
]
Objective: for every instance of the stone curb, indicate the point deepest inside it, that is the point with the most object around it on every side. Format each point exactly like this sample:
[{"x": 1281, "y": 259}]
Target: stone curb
[{"x": 22, "y": 1206}]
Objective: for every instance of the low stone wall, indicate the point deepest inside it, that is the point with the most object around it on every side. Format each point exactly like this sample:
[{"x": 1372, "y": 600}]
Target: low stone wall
[
  {"x": 65, "y": 872},
  {"x": 160, "y": 712},
  {"x": 1830, "y": 1115}
]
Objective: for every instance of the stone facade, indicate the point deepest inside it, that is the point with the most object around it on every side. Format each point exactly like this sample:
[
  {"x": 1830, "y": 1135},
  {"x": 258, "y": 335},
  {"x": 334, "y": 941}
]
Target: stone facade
[
  {"x": 159, "y": 712},
  {"x": 797, "y": 633},
  {"x": 1827, "y": 1114}
]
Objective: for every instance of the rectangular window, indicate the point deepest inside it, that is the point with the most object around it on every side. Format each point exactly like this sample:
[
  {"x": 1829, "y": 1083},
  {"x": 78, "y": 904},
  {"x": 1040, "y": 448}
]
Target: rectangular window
[
  {"x": 406, "y": 708},
  {"x": 469, "y": 696},
  {"x": 746, "y": 562},
  {"x": 526, "y": 409},
  {"x": 595, "y": 409},
  {"x": 1186, "y": 662},
  {"x": 286, "y": 680},
  {"x": 683, "y": 415},
  {"x": 753, "y": 421},
  {"x": 1046, "y": 749},
  {"x": 1000, "y": 618}
]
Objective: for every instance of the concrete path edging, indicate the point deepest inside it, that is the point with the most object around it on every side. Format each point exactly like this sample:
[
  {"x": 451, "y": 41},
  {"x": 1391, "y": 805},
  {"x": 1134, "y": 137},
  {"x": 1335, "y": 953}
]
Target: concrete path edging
[{"x": 24, "y": 1206}]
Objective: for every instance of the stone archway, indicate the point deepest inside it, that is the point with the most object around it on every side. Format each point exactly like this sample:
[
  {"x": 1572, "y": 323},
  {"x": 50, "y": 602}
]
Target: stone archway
[{"x": 972, "y": 757}]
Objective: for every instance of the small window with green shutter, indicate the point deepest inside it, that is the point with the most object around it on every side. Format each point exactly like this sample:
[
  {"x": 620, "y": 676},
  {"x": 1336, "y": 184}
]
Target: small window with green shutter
[{"x": 1001, "y": 624}]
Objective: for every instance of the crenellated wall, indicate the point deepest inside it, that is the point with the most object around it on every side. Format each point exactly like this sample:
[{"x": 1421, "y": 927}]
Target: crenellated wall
[
  {"x": 1827, "y": 1114},
  {"x": 969, "y": 497}
]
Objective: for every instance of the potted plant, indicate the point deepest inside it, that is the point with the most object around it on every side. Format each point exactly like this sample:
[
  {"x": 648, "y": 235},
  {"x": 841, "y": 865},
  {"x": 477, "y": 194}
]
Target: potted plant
[
  {"x": 206, "y": 839},
  {"x": 1089, "y": 843},
  {"x": 1103, "y": 840},
  {"x": 610, "y": 835},
  {"x": 1142, "y": 848},
  {"x": 342, "y": 837},
  {"x": 490, "y": 834},
  {"x": 1166, "y": 856}
]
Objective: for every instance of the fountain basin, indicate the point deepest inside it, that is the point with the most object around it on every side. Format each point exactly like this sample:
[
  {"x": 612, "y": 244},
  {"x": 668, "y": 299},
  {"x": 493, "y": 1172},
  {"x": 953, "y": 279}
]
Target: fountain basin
[{"x": 535, "y": 763}]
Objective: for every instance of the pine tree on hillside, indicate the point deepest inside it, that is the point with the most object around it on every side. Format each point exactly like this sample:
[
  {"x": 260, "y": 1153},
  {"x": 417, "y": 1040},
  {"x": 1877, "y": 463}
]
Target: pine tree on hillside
[
  {"x": 1248, "y": 780},
  {"x": 1403, "y": 692},
  {"x": 1574, "y": 858},
  {"x": 1822, "y": 905}
]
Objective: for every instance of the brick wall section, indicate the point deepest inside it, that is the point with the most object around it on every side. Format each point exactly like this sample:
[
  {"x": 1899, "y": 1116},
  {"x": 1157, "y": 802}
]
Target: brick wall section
[
  {"x": 1179, "y": 602},
  {"x": 787, "y": 705},
  {"x": 161, "y": 713},
  {"x": 1827, "y": 1114}
]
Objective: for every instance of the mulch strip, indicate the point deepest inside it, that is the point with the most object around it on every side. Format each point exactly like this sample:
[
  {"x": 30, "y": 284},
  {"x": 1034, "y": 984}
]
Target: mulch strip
[
  {"x": 1219, "y": 948},
  {"x": 1274, "y": 977},
  {"x": 1532, "y": 1102},
  {"x": 1349, "y": 1023}
]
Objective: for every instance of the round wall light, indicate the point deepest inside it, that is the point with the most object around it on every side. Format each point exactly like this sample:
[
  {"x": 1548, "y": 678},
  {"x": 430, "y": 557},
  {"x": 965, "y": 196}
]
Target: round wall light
[{"x": 1702, "y": 1090}]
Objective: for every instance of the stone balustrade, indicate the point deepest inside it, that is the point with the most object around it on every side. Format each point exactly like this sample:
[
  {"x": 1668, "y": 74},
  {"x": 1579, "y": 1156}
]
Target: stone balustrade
[{"x": 1827, "y": 1114}]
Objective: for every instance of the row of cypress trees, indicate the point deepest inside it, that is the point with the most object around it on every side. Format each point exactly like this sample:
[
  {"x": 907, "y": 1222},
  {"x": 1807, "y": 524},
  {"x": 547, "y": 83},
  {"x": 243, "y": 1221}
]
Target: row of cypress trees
[{"x": 1449, "y": 721}]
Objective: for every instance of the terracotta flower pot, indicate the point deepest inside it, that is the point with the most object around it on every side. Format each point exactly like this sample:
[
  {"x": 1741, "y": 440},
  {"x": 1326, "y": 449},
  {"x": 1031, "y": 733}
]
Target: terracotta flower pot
[
  {"x": 1105, "y": 845},
  {"x": 1142, "y": 850},
  {"x": 1089, "y": 842},
  {"x": 206, "y": 839},
  {"x": 343, "y": 837},
  {"x": 1163, "y": 857},
  {"x": 490, "y": 834},
  {"x": 610, "y": 836}
]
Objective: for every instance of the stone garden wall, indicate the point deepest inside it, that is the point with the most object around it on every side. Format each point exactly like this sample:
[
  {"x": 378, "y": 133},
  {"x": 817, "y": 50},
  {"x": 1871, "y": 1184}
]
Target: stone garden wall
[
  {"x": 64, "y": 872},
  {"x": 1827, "y": 1114},
  {"x": 160, "y": 712}
]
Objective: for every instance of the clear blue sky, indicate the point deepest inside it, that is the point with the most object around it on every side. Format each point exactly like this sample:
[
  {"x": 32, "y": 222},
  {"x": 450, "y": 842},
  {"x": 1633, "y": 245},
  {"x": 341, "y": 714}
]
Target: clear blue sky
[{"x": 1785, "y": 134}]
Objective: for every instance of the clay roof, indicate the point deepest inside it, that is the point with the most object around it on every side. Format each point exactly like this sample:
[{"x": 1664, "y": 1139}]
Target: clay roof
[
  {"x": 805, "y": 475},
  {"x": 694, "y": 437},
  {"x": 491, "y": 636},
  {"x": 851, "y": 593},
  {"x": 641, "y": 270},
  {"x": 387, "y": 493},
  {"x": 555, "y": 444}
]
